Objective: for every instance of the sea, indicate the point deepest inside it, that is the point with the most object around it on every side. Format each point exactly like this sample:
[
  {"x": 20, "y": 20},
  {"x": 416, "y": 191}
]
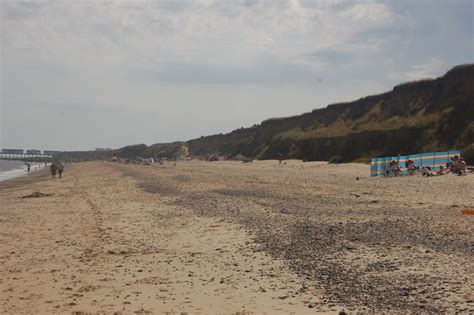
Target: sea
[{"x": 10, "y": 169}]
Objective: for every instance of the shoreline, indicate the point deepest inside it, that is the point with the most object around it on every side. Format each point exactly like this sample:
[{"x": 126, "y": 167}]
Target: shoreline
[
  {"x": 228, "y": 237},
  {"x": 19, "y": 172}
]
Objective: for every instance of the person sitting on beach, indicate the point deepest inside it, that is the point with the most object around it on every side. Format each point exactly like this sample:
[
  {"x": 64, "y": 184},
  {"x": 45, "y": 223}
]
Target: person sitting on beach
[
  {"x": 53, "y": 169},
  {"x": 394, "y": 168},
  {"x": 440, "y": 171},
  {"x": 449, "y": 167},
  {"x": 426, "y": 171},
  {"x": 459, "y": 166},
  {"x": 410, "y": 165},
  {"x": 462, "y": 166}
]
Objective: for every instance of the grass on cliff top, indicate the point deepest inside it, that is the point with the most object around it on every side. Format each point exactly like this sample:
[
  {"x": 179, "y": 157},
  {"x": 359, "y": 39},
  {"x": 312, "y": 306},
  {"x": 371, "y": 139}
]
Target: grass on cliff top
[{"x": 371, "y": 121}]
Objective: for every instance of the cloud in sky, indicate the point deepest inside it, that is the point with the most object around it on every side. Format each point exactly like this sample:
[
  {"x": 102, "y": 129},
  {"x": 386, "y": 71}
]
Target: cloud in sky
[{"x": 154, "y": 71}]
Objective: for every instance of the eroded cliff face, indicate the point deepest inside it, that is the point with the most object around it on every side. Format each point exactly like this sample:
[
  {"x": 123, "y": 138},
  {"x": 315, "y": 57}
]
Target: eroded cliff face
[
  {"x": 428, "y": 115},
  {"x": 425, "y": 115}
]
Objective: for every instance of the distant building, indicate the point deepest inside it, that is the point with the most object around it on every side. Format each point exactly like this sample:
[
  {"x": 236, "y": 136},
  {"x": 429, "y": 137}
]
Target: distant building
[
  {"x": 12, "y": 151},
  {"x": 102, "y": 149},
  {"x": 52, "y": 153},
  {"x": 33, "y": 152}
]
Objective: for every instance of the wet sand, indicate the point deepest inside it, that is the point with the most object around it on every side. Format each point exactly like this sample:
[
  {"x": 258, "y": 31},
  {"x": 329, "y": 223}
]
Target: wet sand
[{"x": 227, "y": 237}]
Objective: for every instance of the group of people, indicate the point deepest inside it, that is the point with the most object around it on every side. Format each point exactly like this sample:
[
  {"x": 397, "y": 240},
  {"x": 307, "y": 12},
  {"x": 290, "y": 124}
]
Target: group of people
[
  {"x": 456, "y": 166},
  {"x": 57, "y": 167}
]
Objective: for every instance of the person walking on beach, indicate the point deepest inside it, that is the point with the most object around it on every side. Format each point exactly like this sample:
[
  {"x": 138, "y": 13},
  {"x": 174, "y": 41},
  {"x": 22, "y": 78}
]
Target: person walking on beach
[
  {"x": 60, "y": 167},
  {"x": 280, "y": 158},
  {"x": 53, "y": 169},
  {"x": 28, "y": 167}
]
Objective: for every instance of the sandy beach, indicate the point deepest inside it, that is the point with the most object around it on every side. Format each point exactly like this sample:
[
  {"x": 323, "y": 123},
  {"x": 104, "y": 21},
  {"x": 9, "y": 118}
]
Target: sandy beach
[{"x": 232, "y": 238}]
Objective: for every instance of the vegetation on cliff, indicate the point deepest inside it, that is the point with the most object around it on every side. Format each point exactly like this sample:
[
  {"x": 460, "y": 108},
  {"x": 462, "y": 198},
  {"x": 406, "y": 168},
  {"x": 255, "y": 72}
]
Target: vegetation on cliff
[{"x": 425, "y": 115}]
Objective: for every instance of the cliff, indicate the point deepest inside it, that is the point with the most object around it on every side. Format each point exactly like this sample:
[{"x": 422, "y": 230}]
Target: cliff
[{"x": 425, "y": 115}]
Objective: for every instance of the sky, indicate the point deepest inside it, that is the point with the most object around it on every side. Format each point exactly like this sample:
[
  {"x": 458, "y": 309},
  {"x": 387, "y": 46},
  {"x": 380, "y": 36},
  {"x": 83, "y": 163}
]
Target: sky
[{"x": 78, "y": 75}]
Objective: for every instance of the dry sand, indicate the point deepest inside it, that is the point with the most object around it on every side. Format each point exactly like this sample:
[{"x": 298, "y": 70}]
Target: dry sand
[{"x": 226, "y": 237}]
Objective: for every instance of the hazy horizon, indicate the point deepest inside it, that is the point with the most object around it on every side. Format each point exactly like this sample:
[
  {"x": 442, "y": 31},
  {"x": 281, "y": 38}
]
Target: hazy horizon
[{"x": 81, "y": 75}]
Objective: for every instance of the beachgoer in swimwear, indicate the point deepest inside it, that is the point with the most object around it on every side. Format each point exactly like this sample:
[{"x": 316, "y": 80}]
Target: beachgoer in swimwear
[
  {"x": 441, "y": 170},
  {"x": 394, "y": 168},
  {"x": 459, "y": 165},
  {"x": 410, "y": 165},
  {"x": 426, "y": 171}
]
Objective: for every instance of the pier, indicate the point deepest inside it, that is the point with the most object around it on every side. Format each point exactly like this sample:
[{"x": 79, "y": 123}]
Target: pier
[{"x": 29, "y": 156}]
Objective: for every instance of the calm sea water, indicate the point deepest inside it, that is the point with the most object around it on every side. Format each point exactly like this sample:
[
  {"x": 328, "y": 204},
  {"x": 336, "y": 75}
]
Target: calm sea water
[{"x": 10, "y": 169}]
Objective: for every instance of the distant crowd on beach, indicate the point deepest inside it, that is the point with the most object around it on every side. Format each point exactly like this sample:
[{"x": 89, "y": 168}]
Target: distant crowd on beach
[
  {"x": 457, "y": 166},
  {"x": 162, "y": 160}
]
